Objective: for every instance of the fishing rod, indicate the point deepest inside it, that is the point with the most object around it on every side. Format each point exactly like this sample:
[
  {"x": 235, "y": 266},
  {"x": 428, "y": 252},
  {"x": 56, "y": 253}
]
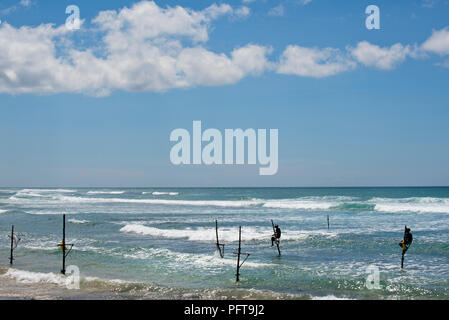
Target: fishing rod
[{"x": 220, "y": 246}]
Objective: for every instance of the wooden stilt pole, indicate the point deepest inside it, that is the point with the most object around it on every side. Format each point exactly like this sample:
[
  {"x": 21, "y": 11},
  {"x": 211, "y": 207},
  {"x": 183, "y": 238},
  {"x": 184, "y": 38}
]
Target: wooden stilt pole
[
  {"x": 239, "y": 252},
  {"x": 402, "y": 259},
  {"x": 11, "y": 258},
  {"x": 238, "y": 255},
  {"x": 327, "y": 222},
  {"x": 219, "y": 246},
  {"x": 63, "y": 244}
]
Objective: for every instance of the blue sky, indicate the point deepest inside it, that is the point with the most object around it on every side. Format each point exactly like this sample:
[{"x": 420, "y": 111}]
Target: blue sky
[{"x": 95, "y": 107}]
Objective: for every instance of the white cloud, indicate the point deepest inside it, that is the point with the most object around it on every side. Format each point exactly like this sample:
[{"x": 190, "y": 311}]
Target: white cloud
[
  {"x": 385, "y": 58},
  {"x": 276, "y": 11},
  {"x": 146, "y": 20},
  {"x": 143, "y": 48},
  {"x": 313, "y": 62},
  {"x": 147, "y": 48},
  {"x": 27, "y": 59},
  {"x": 438, "y": 42},
  {"x": 22, "y": 3},
  {"x": 202, "y": 67},
  {"x": 252, "y": 59},
  {"x": 242, "y": 12}
]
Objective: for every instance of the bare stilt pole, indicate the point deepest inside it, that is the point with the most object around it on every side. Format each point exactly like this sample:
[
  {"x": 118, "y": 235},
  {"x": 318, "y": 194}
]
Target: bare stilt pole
[
  {"x": 327, "y": 222},
  {"x": 238, "y": 255},
  {"x": 11, "y": 258},
  {"x": 239, "y": 252},
  {"x": 15, "y": 239},
  {"x": 220, "y": 247},
  {"x": 63, "y": 245}
]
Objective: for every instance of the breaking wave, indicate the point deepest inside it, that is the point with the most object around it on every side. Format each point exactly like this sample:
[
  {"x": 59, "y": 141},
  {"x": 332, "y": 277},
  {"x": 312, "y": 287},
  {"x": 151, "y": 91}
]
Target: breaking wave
[
  {"x": 225, "y": 234},
  {"x": 323, "y": 203},
  {"x": 102, "y": 288},
  {"x": 105, "y": 192},
  {"x": 160, "y": 193},
  {"x": 354, "y": 207},
  {"x": 78, "y": 221},
  {"x": 415, "y": 204},
  {"x": 214, "y": 203},
  {"x": 197, "y": 260},
  {"x": 24, "y": 191},
  {"x": 35, "y": 277}
]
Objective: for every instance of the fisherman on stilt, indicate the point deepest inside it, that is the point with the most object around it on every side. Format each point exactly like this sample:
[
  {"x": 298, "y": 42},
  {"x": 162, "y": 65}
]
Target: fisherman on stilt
[
  {"x": 277, "y": 234},
  {"x": 405, "y": 243}
]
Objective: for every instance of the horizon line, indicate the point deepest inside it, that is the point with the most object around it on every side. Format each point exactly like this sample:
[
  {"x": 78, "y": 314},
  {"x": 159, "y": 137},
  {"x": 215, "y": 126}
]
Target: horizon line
[{"x": 227, "y": 187}]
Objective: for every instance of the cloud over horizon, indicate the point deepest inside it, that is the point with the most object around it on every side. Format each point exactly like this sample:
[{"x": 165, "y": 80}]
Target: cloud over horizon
[
  {"x": 168, "y": 51},
  {"x": 139, "y": 54}
]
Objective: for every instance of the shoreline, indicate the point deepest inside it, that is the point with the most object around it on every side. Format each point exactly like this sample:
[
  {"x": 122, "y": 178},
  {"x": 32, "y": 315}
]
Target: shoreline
[{"x": 103, "y": 289}]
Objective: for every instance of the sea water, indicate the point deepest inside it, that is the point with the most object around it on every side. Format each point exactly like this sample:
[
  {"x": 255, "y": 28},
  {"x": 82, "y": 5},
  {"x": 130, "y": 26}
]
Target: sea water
[{"x": 160, "y": 242}]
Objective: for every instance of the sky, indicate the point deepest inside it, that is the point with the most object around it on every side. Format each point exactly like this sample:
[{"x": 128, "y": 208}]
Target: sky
[{"x": 95, "y": 106}]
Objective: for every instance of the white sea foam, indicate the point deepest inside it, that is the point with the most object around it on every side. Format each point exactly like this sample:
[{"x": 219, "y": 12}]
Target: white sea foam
[
  {"x": 308, "y": 203},
  {"x": 105, "y": 192},
  {"x": 299, "y": 204},
  {"x": 191, "y": 259},
  {"x": 225, "y": 234},
  {"x": 159, "y": 193},
  {"x": 200, "y": 234},
  {"x": 78, "y": 221},
  {"x": 39, "y": 212},
  {"x": 414, "y": 204},
  {"x": 3, "y": 211},
  {"x": 215, "y": 203},
  {"x": 48, "y": 190},
  {"x": 30, "y": 277},
  {"x": 329, "y": 297},
  {"x": 35, "y": 277},
  {"x": 7, "y": 191},
  {"x": 26, "y": 193},
  {"x": 75, "y": 200}
]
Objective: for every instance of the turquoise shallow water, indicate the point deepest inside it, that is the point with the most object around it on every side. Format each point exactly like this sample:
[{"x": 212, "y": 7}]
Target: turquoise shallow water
[{"x": 160, "y": 243}]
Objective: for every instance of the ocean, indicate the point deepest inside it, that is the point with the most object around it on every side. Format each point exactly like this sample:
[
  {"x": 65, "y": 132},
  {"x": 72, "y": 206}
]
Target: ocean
[{"x": 159, "y": 243}]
